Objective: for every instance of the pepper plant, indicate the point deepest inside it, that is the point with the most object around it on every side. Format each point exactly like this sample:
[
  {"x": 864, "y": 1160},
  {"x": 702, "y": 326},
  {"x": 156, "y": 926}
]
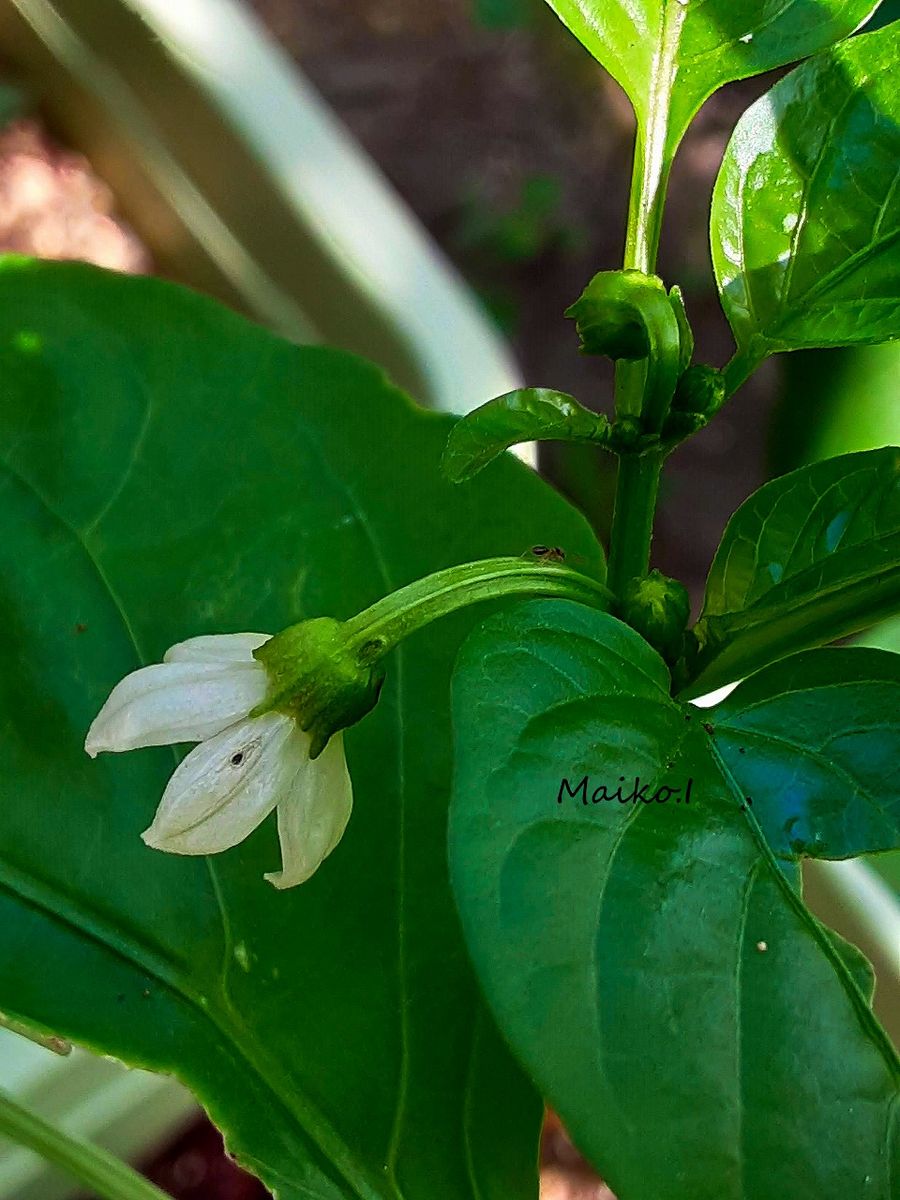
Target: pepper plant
[{"x": 616, "y": 925}]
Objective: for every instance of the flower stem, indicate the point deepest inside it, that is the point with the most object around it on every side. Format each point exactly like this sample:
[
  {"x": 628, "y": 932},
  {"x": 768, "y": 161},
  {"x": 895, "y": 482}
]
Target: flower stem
[
  {"x": 379, "y": 628},
  {"x": 94, "y": 1168}
]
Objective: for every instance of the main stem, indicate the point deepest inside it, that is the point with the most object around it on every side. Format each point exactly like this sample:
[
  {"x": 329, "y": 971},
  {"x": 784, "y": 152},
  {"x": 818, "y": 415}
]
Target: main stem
[
  {"x": 637, "y": 484},
  {"x": 96, "y": 1170}
]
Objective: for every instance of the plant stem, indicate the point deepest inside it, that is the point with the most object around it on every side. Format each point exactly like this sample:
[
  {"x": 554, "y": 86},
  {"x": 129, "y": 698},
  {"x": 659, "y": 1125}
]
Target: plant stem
[
  {"x": 401, "y": 613},
  {"x": 637, "y": 484},
  {"x": 91, "y": 1166},
  {"x": 637, "y": 488}
]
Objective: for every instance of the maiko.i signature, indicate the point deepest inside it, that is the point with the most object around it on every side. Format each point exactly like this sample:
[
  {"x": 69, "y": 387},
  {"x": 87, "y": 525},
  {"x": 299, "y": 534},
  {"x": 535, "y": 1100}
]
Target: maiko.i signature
[{"x": 631, "y": 793}]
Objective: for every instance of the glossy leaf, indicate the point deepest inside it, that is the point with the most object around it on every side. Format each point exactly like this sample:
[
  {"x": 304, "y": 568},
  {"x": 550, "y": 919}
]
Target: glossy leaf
[
  {"x": 526, "y": 415},
  {"x": 700, "y": 1034},
  {"x": 814, "y": 740},
  {"x": 167, "y": 470},
  {"x": 810, "y": 557},
  {"x": 676, "y": 53},
  {"x": 806, "y": 211}
]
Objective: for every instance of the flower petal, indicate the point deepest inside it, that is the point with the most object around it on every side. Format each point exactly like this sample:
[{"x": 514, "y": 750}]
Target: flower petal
[
  {"x": 226, "y": 786},
  {"x": 313, "y": 815},
  {"x": 175, "y": 702},
  {"x": 217, "y": 648}
]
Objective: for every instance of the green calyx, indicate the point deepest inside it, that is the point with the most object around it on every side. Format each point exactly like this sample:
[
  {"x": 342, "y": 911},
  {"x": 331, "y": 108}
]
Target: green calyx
[
  {"x": 659, "y": 609},
  {"x": 320, "y": 677}
]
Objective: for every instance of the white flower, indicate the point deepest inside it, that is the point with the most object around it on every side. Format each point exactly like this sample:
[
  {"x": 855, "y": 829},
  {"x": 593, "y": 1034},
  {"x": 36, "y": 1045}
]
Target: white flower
[{"x": 244, "y": 767}]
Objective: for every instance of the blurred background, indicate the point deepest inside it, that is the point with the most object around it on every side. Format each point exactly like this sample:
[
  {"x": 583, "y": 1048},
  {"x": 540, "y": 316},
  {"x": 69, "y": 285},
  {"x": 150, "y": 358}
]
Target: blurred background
[{"x": 483, "y": 181}]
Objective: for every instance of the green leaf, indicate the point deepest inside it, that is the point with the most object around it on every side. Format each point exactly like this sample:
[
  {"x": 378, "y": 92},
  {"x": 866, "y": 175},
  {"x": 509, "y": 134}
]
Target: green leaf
[
  {"x": 169, "y": 469},
  {"x": 673, "y": 54},
  {"x": 526, "y": 415},
  {"x": 814, "y": 740},
  {"x": 810, "y": 557},
  {"x": 806, "y": 210},
  {"x": 652, "y": 965}
]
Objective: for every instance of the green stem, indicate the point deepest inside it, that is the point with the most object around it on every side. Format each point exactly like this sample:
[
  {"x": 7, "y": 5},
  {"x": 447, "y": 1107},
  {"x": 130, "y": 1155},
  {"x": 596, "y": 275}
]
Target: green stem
[
  {"x": 637, "y": 484},
  {"x": 637, "y": 489},
  {"x": 91, "y": 1166},
  {"x": 379, "y": 628},
  {"x": 739, "y": 369}
]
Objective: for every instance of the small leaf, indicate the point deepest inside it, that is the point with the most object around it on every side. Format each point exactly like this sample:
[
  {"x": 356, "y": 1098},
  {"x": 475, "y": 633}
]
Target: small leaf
[
  {"x": 810, "y": 557},
  {"x": 814, "y": 740},
  {"x": 652, "y": 964},
  {"x": 806, "y": 211},
  {"x": 526, "y": 415},
  {"x": 678, "y": 52}
]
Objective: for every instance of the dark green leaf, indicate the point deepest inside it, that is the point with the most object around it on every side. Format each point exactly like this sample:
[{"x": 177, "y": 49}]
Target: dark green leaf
[
  {"x": 651, "y": 963},
  {"x": 806, "y": 212},
  {"x": 678, "y": 52},
  {"x": 527, "y": 415},
  {"x": 169, "y": 469},
  {"x": 810, "y": 557},
  {"x": 815, "y": 741}
]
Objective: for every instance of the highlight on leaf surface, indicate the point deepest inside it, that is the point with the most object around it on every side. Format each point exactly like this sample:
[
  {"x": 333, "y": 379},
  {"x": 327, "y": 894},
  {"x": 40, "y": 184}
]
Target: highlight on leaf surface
[
  {"x": 806, "y": 209},
  {"x": 526, "y": 415},
  {"x": 671, "y": 55},
  {"x": 809, "y": 558}
]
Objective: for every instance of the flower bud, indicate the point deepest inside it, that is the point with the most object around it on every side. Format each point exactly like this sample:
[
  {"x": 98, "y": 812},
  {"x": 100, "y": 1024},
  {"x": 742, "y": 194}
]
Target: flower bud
[{"x": 659, "y": 609}]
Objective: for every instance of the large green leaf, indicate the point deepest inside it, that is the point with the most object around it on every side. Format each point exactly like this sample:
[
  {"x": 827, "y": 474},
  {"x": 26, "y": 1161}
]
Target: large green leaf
[
  {"x": 702, "y": 1036},
  {"x": 169, "y": 469},
  {"x": 814, "y": 740},
  {"x": 806, "y": 210},
  {"x": 678, "y": 52},
  {"x": 810, "y": 557}
]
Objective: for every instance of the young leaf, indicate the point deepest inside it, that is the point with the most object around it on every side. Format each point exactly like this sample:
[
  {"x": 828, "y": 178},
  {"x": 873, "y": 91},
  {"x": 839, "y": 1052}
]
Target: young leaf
[
  {"x": 806, "y": 210},
  {"x": 526, "y": 415},
  {"x": 169, "y": 469},
  {"x": 814, "y": 740},
  {"x": 650, "y": 962},
  {"x": 671, "y": 55},
  {"x": 810, "y": 557}
]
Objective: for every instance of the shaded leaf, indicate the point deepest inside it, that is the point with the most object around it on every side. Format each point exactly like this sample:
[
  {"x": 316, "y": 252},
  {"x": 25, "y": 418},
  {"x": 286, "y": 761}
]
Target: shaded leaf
[
  {"x": 810, "y": 557},
  {"x": 815, "y": 741},
  {"x": 653, "y": 967}
]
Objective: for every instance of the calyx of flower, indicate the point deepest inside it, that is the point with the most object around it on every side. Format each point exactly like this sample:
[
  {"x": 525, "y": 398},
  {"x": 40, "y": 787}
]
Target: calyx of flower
[{"x": 321, "y": 677}]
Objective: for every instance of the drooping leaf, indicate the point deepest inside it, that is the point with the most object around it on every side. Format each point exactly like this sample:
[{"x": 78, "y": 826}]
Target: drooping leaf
[
  {"x": 655, "y": 969},
  {"x": 526, "y": 415},
  {"x": 167, "y": 470},
  {"x": 676, "y": 53},
  {"x": 806, "y": 210},
  {"x": 814, "y": 740},
  {"x": 810, "y": 557}
]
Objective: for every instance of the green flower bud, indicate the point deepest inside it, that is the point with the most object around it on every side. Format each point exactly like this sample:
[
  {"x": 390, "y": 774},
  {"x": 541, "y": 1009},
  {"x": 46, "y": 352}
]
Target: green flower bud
[
  {"x": 320, "y": 677},
  {"x": 700, "y": 390},
  {"x": 609, "y": 315},
  {"x": 659, "y": 608}
]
